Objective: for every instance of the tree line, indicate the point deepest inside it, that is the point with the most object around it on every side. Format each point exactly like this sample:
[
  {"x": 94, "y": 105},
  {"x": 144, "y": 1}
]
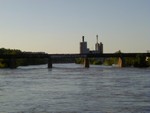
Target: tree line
[{"x": 4, "y": 63}]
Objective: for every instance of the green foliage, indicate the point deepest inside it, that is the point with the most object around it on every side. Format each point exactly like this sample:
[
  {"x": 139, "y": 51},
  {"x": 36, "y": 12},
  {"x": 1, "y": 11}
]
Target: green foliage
[
  {"x": 110, "y": 61},
  {"x": 79, "y": 60},
  {"x": 9, "y": 51},
  {"x": 96, "y": 61},
  {"x": 129, "y": 61},
  {"x": 140, "y": 61},
  {"x": 119, "y": 51},
  {"x": 148, "y": 61},
  {"x": 4, "y": 63}
]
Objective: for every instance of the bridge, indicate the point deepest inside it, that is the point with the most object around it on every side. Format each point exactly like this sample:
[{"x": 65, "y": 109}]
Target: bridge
[{"x": 12, "y": 58}]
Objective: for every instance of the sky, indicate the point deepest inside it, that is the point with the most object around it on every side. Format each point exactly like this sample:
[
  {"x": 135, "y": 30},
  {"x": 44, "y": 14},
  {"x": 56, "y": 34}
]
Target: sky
[{"x": 57, "y": 26}]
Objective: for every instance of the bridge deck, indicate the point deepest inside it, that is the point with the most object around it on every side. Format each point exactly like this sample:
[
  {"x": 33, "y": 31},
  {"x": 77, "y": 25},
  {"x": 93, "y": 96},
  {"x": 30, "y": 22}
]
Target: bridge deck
[{"x": 105, "y": 55}]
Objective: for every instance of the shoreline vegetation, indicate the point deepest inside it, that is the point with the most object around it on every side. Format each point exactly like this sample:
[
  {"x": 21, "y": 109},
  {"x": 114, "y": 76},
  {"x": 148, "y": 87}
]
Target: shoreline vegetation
[
  {"x": 128, "y": 62},
  {"x": 138, "y": 61},
  {"x": 4, "y": 63}
]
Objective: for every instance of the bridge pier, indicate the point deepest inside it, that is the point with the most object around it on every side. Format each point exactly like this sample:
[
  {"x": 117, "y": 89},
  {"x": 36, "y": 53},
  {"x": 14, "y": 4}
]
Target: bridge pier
[
  {"x": 86, "y": 63},
  {"x": 50, "y": 62},
  {"x": 121, "y": 62},
  {"x": 12, "y": 63}
]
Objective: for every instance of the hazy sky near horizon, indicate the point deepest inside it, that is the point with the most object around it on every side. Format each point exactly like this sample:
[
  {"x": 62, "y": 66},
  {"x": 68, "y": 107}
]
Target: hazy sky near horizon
[{"x": 57, "y": 26}]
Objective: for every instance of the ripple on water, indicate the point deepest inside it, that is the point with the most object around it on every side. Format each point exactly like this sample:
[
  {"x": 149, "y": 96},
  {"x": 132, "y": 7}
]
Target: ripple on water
[{"x": 70, "y": 88}]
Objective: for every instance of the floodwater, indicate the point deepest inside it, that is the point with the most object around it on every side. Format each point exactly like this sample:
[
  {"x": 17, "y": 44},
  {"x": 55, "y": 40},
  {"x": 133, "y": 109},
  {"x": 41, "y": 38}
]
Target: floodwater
[{"x": 70, "y": 88}]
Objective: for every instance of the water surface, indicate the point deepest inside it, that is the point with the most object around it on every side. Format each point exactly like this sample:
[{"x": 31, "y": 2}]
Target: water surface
[{"x": 70, "y": 88}]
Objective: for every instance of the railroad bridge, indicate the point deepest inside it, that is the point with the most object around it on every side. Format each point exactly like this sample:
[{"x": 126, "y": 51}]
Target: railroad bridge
[{"x": 120, "y": 56}]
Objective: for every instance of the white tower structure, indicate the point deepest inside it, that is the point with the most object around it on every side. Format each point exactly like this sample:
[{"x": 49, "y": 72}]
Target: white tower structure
[
  {"x": 101, "y": 47},
  {"x": 83, "y": 47},
  {"x": 98, "y": 46}
]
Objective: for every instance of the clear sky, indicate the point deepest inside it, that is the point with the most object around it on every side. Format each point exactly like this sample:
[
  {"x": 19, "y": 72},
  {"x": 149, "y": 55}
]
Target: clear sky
[{"x": 57, "y": 26}]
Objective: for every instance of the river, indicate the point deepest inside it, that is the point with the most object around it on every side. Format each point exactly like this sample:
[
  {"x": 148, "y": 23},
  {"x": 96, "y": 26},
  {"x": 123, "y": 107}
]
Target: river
[{"x": 70, "y": 88}]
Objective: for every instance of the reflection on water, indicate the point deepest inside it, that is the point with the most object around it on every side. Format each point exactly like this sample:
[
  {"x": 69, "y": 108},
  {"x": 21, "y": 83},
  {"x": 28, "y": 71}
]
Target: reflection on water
[{"x": 70, "y": 88}]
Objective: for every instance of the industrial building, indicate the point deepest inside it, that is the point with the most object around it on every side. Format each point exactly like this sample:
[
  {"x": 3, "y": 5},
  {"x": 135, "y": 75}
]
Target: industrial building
[
  {"x": 83, "y": 47},
  {"x": 98, "y": 46},
  {"x": 85, "y": 50}
]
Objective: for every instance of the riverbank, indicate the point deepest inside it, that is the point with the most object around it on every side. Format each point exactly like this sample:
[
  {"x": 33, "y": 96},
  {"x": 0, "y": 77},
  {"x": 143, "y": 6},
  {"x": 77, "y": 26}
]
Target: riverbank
[{"x": 128, "y": 62}]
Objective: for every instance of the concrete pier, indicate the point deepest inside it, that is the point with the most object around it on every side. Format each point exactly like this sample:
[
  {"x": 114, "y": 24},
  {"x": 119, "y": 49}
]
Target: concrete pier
[
  {"x": 121, "y": 62},
  {"x": 86, "y": 63},
  {"x": 50, "y": 62}
]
